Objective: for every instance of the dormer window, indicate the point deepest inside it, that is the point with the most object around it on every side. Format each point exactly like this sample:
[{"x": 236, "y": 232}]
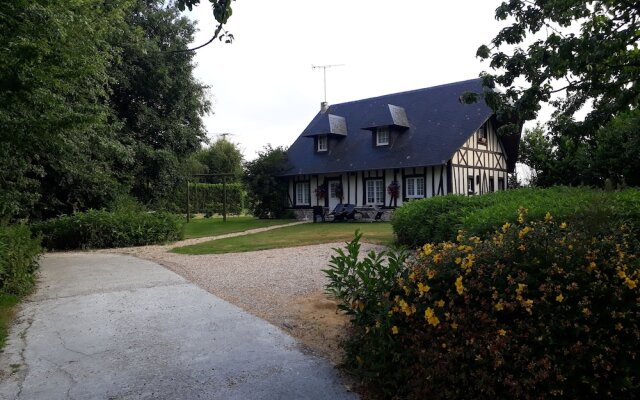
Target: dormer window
[
  {"x": 382, "y": 137},
  {"x": 482, "y": 134},
  {"x": 322, "y": 143}
]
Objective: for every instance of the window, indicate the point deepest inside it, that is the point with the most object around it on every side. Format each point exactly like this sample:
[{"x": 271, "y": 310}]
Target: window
[
  {"x": 492, "y": 184},
  {"x": 302, "y": 194},
  {"x": 382, "y": 137},
  {"x": 415, "y": 187},
  {"x": 471, "y": 189},
  {"x": 375, "y": 191},
  {"x": 482, "y": 134},
  {"x": 322, "y": 143},
  {"x": 500, "y": 183}
]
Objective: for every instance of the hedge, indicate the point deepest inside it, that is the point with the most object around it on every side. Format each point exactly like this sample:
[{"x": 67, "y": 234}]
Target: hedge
[
  {"x": 208, "y": 198},
  {"x": 96, "y": 229},
  {"x": 439, "y": 219},
  {"x": 537, "y": 310},
  {"x": 19, "y": 253}
]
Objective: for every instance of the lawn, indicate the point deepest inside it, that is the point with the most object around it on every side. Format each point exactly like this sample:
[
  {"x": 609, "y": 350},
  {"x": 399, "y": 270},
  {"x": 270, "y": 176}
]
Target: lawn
[
  {"x": 7, "y": 312},
  {"x": 298, "y": 235},
  {"x": 215, "y": 226}
]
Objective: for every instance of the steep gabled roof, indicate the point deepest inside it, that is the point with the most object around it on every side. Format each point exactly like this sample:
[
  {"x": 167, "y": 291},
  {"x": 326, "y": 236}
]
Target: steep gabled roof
[{"x": 437, "y": 125}]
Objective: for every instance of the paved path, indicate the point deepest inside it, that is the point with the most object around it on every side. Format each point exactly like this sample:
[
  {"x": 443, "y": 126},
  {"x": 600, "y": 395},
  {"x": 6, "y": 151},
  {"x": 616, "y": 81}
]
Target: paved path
[{"x": 107, "y": 326}]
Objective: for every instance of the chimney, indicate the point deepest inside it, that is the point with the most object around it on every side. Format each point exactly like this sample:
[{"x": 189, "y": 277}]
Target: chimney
[{"x": 324, "y": 106}]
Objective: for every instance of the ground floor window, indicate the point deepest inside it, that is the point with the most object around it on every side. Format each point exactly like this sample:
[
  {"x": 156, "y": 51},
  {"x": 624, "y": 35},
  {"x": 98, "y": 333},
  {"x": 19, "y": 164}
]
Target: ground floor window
[
  {"x": 471, "y": 189},
  {"x": 303, "y": 197},
  {"x": 500, "y": 183},
  {"x": 415, "y": 187},
  {"x": 375, "y": 191},
  {"x": 492, "y": 185}
]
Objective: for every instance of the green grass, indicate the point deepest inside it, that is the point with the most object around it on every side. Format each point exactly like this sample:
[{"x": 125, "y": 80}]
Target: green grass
[
  {"x": 215, "y": 226},
  {"x": 299, "y": 235},
  {"x": 7, "y": 313}
]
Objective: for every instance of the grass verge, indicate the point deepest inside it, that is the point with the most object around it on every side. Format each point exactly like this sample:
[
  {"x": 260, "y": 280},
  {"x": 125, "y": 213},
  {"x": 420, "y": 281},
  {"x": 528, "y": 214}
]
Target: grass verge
[
  {"x": 8, "y": 310},
  {"x": 298, "y": 235},
  {"x": 197, "y": 228}
]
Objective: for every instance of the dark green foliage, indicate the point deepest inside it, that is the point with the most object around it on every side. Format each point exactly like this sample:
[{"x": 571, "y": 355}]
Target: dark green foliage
[
  {"x": 617, "y": 153},
  {"x": 19, "y": 253},
  {"x": 267, "y": 192},
  {"x": 439, "y": 218},
  {"x": 222, "y": 157},
  {"x": 538, "y": 310},
  {"x": 208, "y": 198},
  {"x": 102, "y": 229}
]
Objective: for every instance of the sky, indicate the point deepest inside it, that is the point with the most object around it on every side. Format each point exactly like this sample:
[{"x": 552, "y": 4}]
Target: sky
[{"x": 264, "y": 90}]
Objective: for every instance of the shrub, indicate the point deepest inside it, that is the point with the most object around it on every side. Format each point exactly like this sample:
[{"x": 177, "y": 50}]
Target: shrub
[
  {"x": 439, "y": 219},
  {"x": 101, "y": 229},
  {"x": 19, "y": 254},
  {"x": 537, "y": 310},
  {"x": 208, "y": 198}
]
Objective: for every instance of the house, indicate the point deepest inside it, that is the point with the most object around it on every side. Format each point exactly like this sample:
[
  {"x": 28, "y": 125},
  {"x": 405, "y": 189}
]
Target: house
[{"x": 387, "y": 150}]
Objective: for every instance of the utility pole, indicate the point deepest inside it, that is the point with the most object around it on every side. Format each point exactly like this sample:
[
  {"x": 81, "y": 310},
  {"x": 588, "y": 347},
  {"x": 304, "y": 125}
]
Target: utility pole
[{"x": 324, "y": 71}]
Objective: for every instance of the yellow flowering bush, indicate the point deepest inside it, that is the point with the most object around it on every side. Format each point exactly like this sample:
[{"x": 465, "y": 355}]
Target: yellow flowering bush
[{"x": 536, "y": 310}]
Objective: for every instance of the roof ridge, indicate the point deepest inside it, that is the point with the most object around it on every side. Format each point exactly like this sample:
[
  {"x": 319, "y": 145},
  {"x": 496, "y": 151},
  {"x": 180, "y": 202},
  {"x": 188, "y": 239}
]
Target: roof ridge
[{"x": 405, "y": 92}]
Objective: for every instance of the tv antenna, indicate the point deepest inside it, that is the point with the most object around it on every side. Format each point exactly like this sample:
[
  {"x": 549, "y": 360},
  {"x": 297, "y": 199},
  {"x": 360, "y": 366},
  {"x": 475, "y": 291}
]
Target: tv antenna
[
  {"x": 324, "y": 71},
  {"x": 224, "y": 134}
]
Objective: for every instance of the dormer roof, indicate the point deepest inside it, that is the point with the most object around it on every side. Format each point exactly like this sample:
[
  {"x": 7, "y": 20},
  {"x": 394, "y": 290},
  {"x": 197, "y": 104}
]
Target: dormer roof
[
  {"x": 379, "y": 115},
  {"x": 326, "y": 124}
]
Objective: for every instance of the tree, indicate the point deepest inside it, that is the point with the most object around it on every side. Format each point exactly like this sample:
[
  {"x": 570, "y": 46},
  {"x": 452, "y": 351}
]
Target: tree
[
  {"x": 618, "y": 149},
  {"x": 221, "y": 157},
  {"x": 221, "y": 12},
  {"x": 266, "y": 192},
  {"x": 157, "y": 99},
  {"x": 57, "y": 139},
  {"x": 579, "y": 54},
  {"x": 536, "y": 152}
]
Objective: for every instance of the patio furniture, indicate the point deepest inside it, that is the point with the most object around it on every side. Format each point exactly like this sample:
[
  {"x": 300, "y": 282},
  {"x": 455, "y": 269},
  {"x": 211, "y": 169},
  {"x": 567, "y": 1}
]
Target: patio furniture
[
  {"x": 318, "y": 214},
  {"x": 337, "y": 213}
]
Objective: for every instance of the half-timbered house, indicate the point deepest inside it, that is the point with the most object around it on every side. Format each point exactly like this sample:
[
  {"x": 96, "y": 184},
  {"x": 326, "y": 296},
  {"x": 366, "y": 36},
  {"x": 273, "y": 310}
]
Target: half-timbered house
[{"x": 387, "y": 150}]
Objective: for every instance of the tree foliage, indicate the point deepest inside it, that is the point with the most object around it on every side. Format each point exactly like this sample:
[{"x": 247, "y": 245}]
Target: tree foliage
[
  {"x": 267, "y": 193},
  {"x": 222, "y": 157},
  {"x": 578, "y": 55}
]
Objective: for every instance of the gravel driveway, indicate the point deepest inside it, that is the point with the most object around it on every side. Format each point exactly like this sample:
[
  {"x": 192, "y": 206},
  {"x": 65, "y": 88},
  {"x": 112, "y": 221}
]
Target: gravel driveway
[{"x": 283, "y": 286}]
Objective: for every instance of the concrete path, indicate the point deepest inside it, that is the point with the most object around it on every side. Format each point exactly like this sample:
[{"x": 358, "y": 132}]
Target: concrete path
[{"x": 108, "y": 326}]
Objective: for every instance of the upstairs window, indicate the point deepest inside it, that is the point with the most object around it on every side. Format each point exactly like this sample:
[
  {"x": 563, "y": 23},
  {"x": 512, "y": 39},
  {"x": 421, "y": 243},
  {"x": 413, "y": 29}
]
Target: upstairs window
[
  {"x": 415, "y": 187},
  {"x": 382, "y": 137},
  {"x": 482, "y": 134},
  {"x": 303, "y": 197},
  {"x": 323, "y": 144}
]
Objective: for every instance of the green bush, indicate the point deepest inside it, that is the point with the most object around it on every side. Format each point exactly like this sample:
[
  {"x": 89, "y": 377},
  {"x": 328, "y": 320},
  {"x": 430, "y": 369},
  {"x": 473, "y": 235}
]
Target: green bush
[
  {"x": 208, "y": 198},
  {"x": 438, "y": 219},
  {"x": 537, "y": 310},
  {"x": 102, "y": 229},
  {"x": 19, "y": 253}
]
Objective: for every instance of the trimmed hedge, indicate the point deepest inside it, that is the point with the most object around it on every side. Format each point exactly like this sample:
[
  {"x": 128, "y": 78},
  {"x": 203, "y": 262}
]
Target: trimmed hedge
[
  {"x": 208, "y": 198},
  {"x": 537, "y": 310},
  {"x": 19, "y": 253},
  {"x": 97, "y": 229},
  {"x": 439, "y": 219}
]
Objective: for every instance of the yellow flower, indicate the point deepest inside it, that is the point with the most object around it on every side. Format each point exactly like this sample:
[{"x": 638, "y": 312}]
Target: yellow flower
[
  {"x": 592, "y": 266},
  {"x": 407, "y": 291},
  {"x": 454, "y": 326},
  {"x": 563, "y": 225},
  {"x": 430, "y": 316},
  {"x": 521, "y": 287},
  {"x": 394, "y": 330},
  {"x": 468, "y": 261},
  {"x": 459, "y": 285},
  {"x": 405, "y": 307},
  {"x": 524, "y": 231},
  {"x": 377, "y": 324},
  {"x": 431, "y": 273},
  {"x": 506, "y": 227},
  {"x": 437, "y": 258},
  {"x": 458, "y": 260},
  {"x": 631, "y": 284},
  {"x": 622, "y": 274},
  {"x": 586, "y": 311},
  {"x": 560, "y": 298},
  {"x": 427, "y": 249},
  {"x": 521, "y": 213},
  {"x": 423, "y": 288},
  {"x": 440, "y": 303},
  {"x": 619, "y": 326},
  {"x": 499, "y": 306},
  {"x": 548, "y": 217},
  {"x": 412, "y": 276},
  {"x": 502, "y": 332},
  {"x": 460, "y": 236},
  {"x": 522, "y": 247}
]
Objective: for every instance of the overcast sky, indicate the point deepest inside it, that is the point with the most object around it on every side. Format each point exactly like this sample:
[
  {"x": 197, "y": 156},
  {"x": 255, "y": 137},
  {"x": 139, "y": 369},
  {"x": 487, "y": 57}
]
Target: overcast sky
[{"x": 264, "y": 89}]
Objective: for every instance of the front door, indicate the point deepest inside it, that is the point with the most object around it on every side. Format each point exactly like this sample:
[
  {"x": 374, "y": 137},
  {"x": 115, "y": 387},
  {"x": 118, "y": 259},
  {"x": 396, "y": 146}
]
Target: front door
[{"x": 333, "y": 198}]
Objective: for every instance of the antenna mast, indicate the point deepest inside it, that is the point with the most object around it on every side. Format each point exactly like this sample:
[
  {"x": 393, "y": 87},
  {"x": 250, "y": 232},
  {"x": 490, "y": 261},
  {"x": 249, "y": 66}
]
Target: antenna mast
[{"x": 324, "y": 70}]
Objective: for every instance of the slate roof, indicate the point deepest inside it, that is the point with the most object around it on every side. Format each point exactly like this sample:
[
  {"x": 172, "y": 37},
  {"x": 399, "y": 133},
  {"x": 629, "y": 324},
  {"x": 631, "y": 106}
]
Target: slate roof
[{"x": 438, "y": 125}]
